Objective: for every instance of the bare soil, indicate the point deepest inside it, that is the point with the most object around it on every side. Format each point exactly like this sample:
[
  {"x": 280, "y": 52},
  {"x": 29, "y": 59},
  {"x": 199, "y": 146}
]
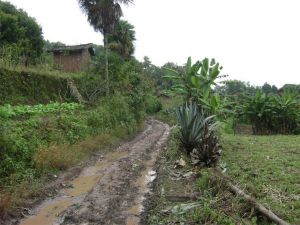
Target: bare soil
[{"x": 110, "y": 189}]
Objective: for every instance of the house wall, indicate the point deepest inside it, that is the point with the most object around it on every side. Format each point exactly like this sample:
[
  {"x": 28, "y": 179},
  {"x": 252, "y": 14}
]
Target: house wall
[{"x": 72, "y": 61}]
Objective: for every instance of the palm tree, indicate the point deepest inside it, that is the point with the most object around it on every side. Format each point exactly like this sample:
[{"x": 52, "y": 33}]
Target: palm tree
[
  {"x": 103, "y": 15},
  {"x": 122, "y": 39}
]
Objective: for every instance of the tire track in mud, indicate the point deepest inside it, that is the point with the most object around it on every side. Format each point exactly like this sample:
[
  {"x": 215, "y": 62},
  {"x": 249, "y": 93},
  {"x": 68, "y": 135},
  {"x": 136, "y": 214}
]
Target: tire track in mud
[{"x": 112, "y": 190}]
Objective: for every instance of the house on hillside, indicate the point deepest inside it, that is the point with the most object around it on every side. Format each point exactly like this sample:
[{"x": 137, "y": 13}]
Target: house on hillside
[{"x": 74, "y": 58}]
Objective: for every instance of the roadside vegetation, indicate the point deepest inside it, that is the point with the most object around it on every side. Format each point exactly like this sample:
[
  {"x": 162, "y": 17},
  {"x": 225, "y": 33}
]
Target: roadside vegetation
[{"x": 190, "y": 189}]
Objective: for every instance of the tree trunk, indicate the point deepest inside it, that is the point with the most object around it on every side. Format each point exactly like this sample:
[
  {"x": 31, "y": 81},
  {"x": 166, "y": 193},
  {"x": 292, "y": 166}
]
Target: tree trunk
[{"x": 106, "y": 63}]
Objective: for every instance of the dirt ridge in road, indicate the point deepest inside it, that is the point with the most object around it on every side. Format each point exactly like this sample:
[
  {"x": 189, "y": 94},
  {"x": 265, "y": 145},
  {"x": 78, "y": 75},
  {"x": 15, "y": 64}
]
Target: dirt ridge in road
[{"x": 112, "y": 190}]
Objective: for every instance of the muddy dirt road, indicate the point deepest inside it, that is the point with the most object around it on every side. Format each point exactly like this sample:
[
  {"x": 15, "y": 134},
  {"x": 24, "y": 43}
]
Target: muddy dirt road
[{"x": 112, "y": 190}]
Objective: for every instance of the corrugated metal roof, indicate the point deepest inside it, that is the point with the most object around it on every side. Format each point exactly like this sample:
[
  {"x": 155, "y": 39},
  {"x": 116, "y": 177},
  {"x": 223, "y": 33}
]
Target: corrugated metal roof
[{"x": 72, "y": 48}]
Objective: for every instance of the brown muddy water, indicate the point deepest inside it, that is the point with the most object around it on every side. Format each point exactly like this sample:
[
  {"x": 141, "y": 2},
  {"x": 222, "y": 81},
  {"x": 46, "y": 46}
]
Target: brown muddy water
[{"x": 113, "y": 190}]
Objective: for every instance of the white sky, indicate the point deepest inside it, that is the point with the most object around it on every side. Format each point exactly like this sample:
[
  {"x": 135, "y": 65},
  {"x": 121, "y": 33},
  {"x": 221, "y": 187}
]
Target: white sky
[{"x": 254, "y": 40}]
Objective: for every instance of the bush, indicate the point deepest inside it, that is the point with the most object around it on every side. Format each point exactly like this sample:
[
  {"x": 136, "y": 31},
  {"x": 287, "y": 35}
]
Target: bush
[{"x": 153, "y": 105}]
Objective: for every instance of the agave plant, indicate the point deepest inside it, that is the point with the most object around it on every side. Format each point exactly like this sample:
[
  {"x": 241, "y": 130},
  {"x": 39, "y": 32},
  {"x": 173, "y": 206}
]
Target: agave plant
[
  {"x": 208, "y": 150},
  {"x": 193, "y": 125}
]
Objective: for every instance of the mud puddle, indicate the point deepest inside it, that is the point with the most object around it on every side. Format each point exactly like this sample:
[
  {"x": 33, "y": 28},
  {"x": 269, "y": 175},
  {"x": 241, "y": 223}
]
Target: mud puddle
[{"x": 111, "y": 191}]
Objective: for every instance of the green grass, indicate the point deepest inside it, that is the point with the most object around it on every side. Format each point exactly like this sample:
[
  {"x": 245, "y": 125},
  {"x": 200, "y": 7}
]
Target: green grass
[
  {"x": 9, "y": 111},
  {"x": 167, "y": 114},
  {"x": 268, "y": 167}
]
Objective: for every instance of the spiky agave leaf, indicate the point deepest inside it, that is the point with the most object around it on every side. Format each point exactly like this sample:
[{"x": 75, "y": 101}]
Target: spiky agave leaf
[{"x": 192, "y": 123}]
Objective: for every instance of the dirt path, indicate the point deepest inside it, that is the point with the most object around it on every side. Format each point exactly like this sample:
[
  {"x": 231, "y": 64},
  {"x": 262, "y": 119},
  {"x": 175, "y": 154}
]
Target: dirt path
[{"x": 112, "y": 190}]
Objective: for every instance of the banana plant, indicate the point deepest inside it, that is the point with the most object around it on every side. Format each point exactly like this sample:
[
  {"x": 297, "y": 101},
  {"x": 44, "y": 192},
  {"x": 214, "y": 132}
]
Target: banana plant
[
  {"x": 196, "y": 82},
  {"x": 258, "y": 109},
  {"x": 287, "y": 113}
]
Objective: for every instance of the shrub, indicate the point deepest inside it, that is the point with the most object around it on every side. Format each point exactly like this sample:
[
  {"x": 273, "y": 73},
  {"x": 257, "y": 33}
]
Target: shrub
[{"x": 153, "y": 105}]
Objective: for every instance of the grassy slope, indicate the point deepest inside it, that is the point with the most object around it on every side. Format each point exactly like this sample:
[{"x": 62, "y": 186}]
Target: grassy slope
[
  {"x": 30, "y": 86},
  {"x": 269, "y": 168}
]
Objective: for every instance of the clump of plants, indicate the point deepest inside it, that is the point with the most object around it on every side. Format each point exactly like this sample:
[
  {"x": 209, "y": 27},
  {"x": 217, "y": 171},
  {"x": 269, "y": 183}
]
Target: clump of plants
[
  {"x": 198, "y": 135},
  {"x": 198, "y": 115},
  {"x": 272, "y": 114}
]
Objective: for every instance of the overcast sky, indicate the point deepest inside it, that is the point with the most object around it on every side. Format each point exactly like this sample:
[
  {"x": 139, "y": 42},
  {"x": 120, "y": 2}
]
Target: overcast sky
[{"x": 254, "y": 40}]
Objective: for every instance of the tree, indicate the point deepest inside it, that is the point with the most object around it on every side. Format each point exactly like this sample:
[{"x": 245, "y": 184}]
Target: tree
[
  {"x": 121, "y": 40},
  {"x": 146, "y": 63},
  {"x": 20, "y": 32},
  {"x": 103, "y": 15},
  {"x": 50, "y": 45},
  {"x": 292, "y": 88},
  {"x": 267, "y": 88}
]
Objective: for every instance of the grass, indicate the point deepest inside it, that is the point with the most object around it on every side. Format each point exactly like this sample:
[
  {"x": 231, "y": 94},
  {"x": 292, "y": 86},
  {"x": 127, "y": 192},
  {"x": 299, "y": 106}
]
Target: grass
[
  {"x": 167, "y": 114},
  {"x": 268, "y": 167},
  {"x": 43, "y": 70}
]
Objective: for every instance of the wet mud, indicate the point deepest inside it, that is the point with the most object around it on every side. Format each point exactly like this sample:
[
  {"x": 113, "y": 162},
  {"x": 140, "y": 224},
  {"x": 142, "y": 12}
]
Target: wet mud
[{"x": 112, "y": 190}]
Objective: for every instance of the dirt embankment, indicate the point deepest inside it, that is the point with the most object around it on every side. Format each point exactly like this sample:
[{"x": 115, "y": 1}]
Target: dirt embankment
[{"x": 112, "y": 190}]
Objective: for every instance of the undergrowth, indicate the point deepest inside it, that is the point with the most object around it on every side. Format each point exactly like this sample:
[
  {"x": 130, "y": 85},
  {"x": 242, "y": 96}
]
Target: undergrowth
[{"x": 196, "y": 199}]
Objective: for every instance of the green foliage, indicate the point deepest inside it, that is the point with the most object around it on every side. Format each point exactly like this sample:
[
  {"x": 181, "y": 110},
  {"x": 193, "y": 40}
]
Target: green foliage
[
  {"x": 195, "y": 83},
  {"x": 20, "y": 139},
  {"x": 208, "y": 150},
  {"x": 122, "y": 38},
  {"x": 236, "y": 88},
  {"x": 152, "y": 104},
  {"x": 21, "y": 32},
  {"x": 8, "y": 111},
  {"x": 157, "y": 73},
  {"x": 194, "y": 126},
  {"x": 103, "y": 16},
  {"x": 272, "y": 113},
  {"x": 197, "y": 133},
  {"x": 169, "y": 105},
  {"x": 33, "y": 87},
  {"x": 291, "y": 88}
]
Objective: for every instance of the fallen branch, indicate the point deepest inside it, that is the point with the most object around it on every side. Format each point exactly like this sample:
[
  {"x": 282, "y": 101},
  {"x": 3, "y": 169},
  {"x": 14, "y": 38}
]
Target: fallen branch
[{"x": 259, "y": 207}]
